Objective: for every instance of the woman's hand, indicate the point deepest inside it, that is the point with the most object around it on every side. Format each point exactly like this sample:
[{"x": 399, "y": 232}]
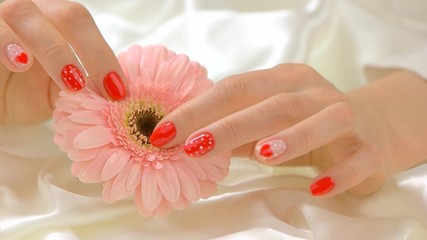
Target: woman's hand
[
  {"x": 40, "y": 40},
  {"x": 291, "y": 115}
]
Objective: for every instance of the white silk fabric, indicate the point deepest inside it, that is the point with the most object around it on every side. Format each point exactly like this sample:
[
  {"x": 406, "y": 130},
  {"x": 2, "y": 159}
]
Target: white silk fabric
[{"x": 40, "y": 199}]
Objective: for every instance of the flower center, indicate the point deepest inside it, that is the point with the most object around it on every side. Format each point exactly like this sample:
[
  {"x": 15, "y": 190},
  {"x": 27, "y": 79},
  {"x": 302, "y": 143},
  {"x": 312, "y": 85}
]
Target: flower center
[
  {"x": 146, "y": 121},
  {"x": 141, "y": 120}
]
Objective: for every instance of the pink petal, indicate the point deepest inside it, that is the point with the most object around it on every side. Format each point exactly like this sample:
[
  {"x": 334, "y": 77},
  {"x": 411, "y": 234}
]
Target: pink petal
[
  {"x": 134, "y": 178},
  {"x": 93, "y": 172},
  {"x": 208, "y": 188},
  {"x": 118, "y": 190},
  {"x": 115, "y": 163},
  {"x": 106, "y": 192},
  {"x": 65, "y": 125},
  {"x": 78, "y": 167},
  {"x": 151, "y": 195},
  {"x": 195, "y": 168},
  {"x": 83, "y": 155},
  {"x": 93, "y": 105},
  {"x": 163, "y": 209},
  {"x": 221, "y": 160},
  {"x": 168, "y": 182},
  {"x": 140, "y": 205},
  {"x": 214, "y": 173},
  {"x": 182, "y": 203},
  {"x": 89, "y": 117},
  {"x": 190, "y": 187},
  {"x": 94, "y": 137}
]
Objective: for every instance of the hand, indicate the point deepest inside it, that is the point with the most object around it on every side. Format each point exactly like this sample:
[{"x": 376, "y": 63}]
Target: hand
[
  {"x": 38, "y": 61},
  {"x": 291, "y": 115}
]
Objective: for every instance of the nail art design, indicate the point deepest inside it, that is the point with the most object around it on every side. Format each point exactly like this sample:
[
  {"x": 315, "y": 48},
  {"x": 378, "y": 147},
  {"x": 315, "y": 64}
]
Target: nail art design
[
  {"x": 199, "y": 145},
  {"x": 322, "y": 186},
  {"x": 114, "y": 86},
  {"x": 17, "y": 55},
  {"x": 271, "y": 149},
  {"x": 163, "y": 134},
  {"x": 72, "y": 77}
]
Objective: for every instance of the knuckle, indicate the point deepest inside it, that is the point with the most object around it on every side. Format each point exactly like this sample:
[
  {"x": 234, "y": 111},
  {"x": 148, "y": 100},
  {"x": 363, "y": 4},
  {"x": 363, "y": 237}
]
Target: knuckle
[
  {"x": 303, "y": 137},
  {"x": 70, "y": 12},
  {"x": 230, "y": 130},
  {"x": 285, "y": 106},
  {"x": 353, "y": 174},
  {"x": 53, "y": 48},
  {"x": 11, "y": 8},
  {"x": 343, "y": 113},
  {"x": 297, "y": 72},
  {"x": 233, "y": 85}
]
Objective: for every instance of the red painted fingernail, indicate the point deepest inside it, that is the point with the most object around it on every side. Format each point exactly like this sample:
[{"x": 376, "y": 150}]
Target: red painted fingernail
[
  {"x": 271, "y": 149},
  {"x": 114, "y": 86},
  {"x": 72, "y": 77},
  {"x": 17, "y": 55},
  {"x": 322, "y": 186},
  {"x": 199, "y": 145},
  {"x": 163, "y": 134}
]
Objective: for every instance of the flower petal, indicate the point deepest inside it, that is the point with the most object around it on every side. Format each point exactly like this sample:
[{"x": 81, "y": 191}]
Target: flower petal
[
  {"x": 190, "y": 187},
  {"x": 208, "y": 188},
  {"x": 163, "y": 209},
  {"x": 93, "y": 105},
  {"x": 83, "y": 154},
  {"x": 168, "y": 182},
  {"x": 134, "y": 178},
  {"x": 89, "y": 117},
  {"x": 78, "y": 167},
  {"x": 198, "y": 171},
  {"x": 118, "y": 190},
  {"x": 140, "y": 205},
  {"x": 93, "y": 172},
  {"x": 115, "y": 163},
  {"x": 150, "y": 192},
  {"x": 93, "y": 137},
  {"x": 221, "y": 160},
  {"x": 181, "y": 203},
  {"x": 214, "y": 173},
  {"x": 106, "y": 191}
]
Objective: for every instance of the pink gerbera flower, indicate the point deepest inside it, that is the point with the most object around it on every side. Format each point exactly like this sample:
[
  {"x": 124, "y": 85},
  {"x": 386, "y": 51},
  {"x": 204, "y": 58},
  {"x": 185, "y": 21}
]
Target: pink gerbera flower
[{"x": 108, "y": 141}]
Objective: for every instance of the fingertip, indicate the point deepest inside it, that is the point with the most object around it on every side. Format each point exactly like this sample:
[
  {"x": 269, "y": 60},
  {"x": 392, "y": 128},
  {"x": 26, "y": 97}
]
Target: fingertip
[
  {"x": 164, "y": 133},
  {"x": 19, "y": 60},
  {"x": 114, "y": 86},
  {"x": 322, "y": 186}
]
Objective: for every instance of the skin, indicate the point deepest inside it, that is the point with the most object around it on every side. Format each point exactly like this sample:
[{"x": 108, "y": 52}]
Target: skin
[
  {"x": 359, "y": 138},
  {"x": 45, "y": 29}
]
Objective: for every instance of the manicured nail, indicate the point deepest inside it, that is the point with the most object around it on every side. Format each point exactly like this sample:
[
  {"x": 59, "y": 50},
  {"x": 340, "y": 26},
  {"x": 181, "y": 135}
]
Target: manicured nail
[
  {"x": 199, "y": 145},
  {"x": 17, "y": 55},
  {"x": 72, "y": 78},
  {"x": 271, "y": 149},
  {"x": 163, "y": 134},
  {"x": 114, "y": 86},
  {"x": 322, "y": 186}
]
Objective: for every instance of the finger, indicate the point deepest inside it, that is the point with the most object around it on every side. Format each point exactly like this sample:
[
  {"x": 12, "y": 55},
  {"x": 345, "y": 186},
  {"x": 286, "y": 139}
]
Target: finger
[
  {"x": 255, "y": 122},
  {"x": 320, "y": 129},
  {"x": 45, "y": 43},
  {"x": 349, "y": 173},
  {"x": 76, "y": 24},
  {"x": 228, "y": 96},
  {"x": 16, "y": 58}
]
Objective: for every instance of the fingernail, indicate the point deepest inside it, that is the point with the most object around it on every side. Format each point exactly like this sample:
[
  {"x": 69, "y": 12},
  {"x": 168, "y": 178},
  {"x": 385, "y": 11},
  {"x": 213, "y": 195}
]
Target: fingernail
[
  {"x": 114, "y": 86},
  {"x": 199, "y": 145},
  {"x": 271, "y": 149},
  {"x": 17, "y": 55},
  {"x": 72, "y": 77},
  {"x": 163, "y": 134},
  {"x": 322, "y": 186}
]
